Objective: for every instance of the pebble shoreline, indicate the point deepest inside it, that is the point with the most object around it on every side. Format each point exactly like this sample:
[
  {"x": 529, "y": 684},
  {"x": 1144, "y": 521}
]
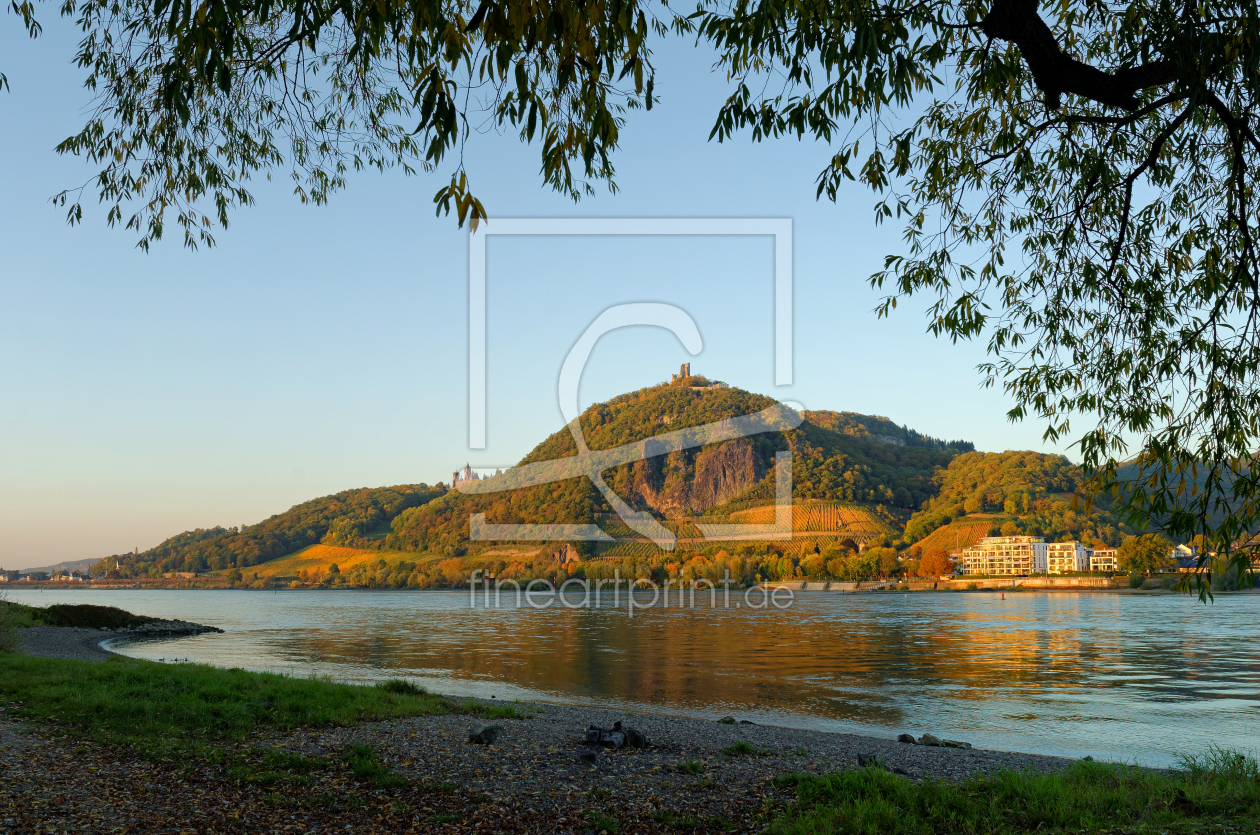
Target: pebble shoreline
[
  {"x": 535, "y": 752},
  {"x": 85, "y": 644},
  {"x": 545, "y": 747}
]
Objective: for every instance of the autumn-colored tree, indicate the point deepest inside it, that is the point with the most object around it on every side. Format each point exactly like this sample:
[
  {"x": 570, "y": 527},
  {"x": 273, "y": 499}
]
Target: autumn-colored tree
[
  {"x": 453, "y": 571},
  {"x": 814, "y": 565},
  {"x": 885, "y": 560},
  {"x": 935, "y": 563}
]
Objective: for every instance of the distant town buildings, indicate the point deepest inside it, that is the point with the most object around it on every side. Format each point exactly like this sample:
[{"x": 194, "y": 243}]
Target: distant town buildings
[
  {"x": 1004, "y": 556},
  {"x": 1103, "y": 559},
  {"x": 1066, "y": 558}
]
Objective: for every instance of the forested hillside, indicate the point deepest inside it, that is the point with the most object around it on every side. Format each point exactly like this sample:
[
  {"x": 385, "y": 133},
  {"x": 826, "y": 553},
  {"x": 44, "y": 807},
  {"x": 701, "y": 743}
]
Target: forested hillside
[
  {"x": 1009, "y": 493},
  {"x": 837, "y": 456},
  {"x": 356, "y": 518},
  {"x": 881, "y": 429}
]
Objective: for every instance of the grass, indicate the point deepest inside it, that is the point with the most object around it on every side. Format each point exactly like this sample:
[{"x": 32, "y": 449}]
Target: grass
[
  {"x": 1220, "y": 791},
  {"x": 164, "y": 709},
  {"x": 601, "y": 822},
  {"x": 743, "y": 748},
  {"x": 366, "y": 765},
  {"x": 677, "y": 821},
  {"x": 273, "y": 766},
  {"x": 690, "y": 767}
]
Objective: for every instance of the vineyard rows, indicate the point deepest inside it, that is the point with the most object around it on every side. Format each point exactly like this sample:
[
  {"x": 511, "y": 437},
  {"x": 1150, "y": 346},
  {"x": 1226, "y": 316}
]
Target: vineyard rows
[
  {"x": 632, "y": 549},
  {"x": 817, "y": 517},
  {"x": 961, "y": 534}
]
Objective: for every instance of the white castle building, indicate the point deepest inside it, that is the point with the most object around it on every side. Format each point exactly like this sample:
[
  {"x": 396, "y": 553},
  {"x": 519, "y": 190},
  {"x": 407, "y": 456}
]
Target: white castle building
[{"x": 460, "y": 476}]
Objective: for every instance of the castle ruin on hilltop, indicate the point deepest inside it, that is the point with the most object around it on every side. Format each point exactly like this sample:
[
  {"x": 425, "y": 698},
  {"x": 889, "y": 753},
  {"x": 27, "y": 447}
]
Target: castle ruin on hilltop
[{"x": 684, "y": 374}]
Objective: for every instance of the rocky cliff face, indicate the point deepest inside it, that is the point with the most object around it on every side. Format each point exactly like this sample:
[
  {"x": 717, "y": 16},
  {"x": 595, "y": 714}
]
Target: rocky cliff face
[{"x": 683, "y": 483}]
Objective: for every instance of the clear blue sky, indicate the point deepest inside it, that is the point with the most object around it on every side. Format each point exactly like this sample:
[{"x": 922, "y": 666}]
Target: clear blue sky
[{"x": 322, "y": 348}]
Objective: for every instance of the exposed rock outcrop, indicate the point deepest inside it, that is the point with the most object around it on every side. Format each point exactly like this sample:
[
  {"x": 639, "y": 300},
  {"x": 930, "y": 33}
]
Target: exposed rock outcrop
[{"x": 685, "y": 482}]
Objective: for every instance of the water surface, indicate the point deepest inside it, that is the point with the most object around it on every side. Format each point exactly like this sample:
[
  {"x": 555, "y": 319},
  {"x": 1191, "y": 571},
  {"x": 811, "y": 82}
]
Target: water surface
[{"x": 1135, "y": 678}]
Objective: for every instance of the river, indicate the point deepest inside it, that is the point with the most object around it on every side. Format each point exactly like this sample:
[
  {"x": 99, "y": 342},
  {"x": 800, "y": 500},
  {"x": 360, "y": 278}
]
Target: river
[{"x": 1135, "y": 678}]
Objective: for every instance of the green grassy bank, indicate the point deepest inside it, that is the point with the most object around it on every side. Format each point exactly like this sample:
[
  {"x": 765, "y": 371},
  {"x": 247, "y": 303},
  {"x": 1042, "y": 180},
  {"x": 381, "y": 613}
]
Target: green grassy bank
[
  {"x": 1216, "y": 793},
  {"x": 167, "y": 709}
]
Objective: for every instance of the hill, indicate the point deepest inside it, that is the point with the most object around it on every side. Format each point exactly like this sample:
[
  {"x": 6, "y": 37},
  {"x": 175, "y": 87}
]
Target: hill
[
  {"x": 355, "y": 518},
  {"x": 856, "y": 478},
  {"x": 837, "y": 457},
  {"x": 881, "y": 429},
  {"x": 69, "y": 565},
  {"x": 1032, "y": 493}
]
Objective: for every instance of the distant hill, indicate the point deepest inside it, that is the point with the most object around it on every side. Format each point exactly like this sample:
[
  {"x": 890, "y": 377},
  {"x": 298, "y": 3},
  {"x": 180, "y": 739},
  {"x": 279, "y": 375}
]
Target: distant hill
[
  {"x": 354, "y": 518},
  {"x": 1192, "y": 500},
  {"x": 69, "y": 565},
  {"x": 881, "y": 429},
  {"x": 1031, "y": 493}
]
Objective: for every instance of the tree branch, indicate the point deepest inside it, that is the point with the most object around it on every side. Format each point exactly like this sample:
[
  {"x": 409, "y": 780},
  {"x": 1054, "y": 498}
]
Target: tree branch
[{"x": 1055, "y": 72}]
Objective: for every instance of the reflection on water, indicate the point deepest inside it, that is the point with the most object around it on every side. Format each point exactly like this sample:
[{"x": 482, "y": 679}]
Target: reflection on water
[{"x": 1119, "y": 677}]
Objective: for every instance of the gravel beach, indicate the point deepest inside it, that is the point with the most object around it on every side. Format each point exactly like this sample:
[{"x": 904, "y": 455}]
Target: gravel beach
[
  {"x": 65, "y": 642},
  {"x": 533, "y": 778},
  {"x": 530, "y": 780},
  {"x": 85, "y": 644},
  {"x": 541, "y": 752}
]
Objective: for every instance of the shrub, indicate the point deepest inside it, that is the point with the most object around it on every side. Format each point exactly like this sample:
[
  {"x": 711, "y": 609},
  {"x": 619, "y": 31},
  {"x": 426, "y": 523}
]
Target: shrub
[
  {"x": 90, "y": 617},
  {"x": 10, "y": 615},
  {"x": 1136, "y": 580},
  {"x": 402, "y": 687},
  {"x": 1226, "y": 580}
]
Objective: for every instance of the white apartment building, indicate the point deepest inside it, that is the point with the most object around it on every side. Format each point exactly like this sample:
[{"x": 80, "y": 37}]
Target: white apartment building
[
  {"x": 1103, "y": 559},
  {"x": 1067, "y": 557},
  {"x": 1004, "y": 556}
]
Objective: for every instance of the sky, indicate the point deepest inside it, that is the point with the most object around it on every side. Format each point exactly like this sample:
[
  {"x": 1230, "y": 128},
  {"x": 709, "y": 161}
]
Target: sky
[{"x": 317, "y": 349}]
